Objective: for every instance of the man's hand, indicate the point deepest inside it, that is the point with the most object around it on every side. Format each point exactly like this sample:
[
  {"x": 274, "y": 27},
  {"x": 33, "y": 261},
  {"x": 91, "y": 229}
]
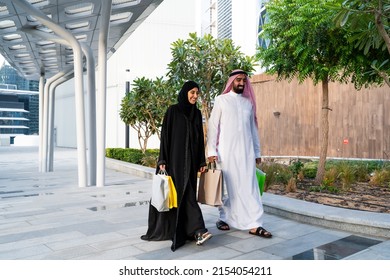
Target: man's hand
[{"x": 212, "y": 158}]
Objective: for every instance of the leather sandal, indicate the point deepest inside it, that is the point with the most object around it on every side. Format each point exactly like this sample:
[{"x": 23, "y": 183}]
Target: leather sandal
[
  {"x": 202, "y": 238},
  {"x": 221, "y": 225},
  {"x": 262, "y": 232}
]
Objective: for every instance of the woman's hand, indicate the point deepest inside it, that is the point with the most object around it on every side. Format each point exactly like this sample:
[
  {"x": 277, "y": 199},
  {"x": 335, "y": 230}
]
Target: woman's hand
[
  {"x": 162, "y": 167},
  {"x": 202, "y": 169}
]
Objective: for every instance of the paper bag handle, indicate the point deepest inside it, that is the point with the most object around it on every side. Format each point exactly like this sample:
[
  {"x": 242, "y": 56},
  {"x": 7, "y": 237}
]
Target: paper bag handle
[
  {"x": 212, "y": 165},
  {"x": 163, "y": 172}
]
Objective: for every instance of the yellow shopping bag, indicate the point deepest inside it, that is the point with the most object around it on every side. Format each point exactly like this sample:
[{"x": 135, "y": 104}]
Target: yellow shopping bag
[
  {"x": 164, "y": 196},
  {"x": 172, "y": 193}
]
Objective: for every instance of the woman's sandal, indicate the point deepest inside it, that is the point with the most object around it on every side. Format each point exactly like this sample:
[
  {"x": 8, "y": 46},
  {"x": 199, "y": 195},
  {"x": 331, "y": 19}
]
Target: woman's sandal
[
  {"x": 221, "y": 225},
  {"x": 202, "y": 238},
  {"x": 260, "y": 231}
]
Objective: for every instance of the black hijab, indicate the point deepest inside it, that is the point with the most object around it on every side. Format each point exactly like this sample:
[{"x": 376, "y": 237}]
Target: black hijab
[{"x": 185, "y": 106}]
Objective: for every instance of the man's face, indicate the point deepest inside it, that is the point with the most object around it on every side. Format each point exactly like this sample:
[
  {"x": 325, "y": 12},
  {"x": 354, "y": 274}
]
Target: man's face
[{"x": 239, "y": 83}]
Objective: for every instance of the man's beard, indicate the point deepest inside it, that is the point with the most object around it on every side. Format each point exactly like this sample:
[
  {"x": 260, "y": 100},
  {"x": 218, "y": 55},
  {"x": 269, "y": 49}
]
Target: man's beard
[{"x": 238, "y": 90}]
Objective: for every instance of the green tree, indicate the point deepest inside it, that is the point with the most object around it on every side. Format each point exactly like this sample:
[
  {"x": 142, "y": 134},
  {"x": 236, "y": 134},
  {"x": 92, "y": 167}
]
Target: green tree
[
  {"x": 208, "y": 61},
  {"x": 306, "y": 43},
  {"x": 143, "y": 108},
  {"x": 368, "y": 23}
]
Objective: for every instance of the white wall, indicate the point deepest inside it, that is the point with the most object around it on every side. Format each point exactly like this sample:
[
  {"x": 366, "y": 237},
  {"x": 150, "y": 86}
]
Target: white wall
[
  {"x": 65, "y": 115},
  {"x": 146, "y": 53},
  {"x": 245, "y": 24},
  {"x": 26, "y": 140}
]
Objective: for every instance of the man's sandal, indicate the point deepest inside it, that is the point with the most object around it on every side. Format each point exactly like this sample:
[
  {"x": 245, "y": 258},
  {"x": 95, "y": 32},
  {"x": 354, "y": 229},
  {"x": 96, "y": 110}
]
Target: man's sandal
[
  {"x": 221, "y": 225},
  {"x": 262, "y": 232}
]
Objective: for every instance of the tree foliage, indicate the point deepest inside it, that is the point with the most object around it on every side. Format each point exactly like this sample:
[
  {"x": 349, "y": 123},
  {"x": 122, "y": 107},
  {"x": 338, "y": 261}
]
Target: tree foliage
[
  {"x": 367, "y": 22},
  {"x": 306, "y": 43},
  {"x": 143, "y": 108},
  {"x": 208, "y": 61}
]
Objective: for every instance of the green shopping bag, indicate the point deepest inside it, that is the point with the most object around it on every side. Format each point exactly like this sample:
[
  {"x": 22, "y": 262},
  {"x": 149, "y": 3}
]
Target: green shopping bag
[{"x": 260, "y": 179}]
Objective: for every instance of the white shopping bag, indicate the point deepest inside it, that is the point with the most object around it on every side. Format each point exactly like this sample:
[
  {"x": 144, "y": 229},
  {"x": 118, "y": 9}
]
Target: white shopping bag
[{"x": 160, "y": 192}]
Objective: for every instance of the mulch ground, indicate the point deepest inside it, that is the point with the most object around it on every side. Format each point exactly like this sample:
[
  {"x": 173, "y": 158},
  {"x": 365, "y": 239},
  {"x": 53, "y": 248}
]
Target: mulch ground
[{"x": 360, "y": 196}]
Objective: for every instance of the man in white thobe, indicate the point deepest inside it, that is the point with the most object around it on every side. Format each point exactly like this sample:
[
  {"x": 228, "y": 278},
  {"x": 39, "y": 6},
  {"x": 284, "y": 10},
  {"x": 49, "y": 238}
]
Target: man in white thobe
[{"x": 233, "y": 142}]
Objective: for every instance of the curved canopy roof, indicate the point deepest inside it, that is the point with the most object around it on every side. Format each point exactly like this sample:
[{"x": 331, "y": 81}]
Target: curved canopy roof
[{"x": 31, "y": 47}]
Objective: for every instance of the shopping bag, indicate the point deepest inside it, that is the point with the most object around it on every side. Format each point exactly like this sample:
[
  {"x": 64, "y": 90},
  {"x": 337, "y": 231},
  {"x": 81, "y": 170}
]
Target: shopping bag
[
  {"x": 210, "y": 187},
  {"x": 172, "y": 194},
  {"x": 260, "y": 180},
  {"x": 160, "y": 191}
]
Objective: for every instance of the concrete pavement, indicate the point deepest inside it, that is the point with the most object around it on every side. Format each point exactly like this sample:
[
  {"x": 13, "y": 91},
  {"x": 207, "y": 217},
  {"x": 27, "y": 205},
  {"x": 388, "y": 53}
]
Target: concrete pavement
[{"x": 46, "y": 216}]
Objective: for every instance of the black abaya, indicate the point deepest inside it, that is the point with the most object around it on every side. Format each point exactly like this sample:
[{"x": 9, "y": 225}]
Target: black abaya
[{"x": 182, "y": 152}]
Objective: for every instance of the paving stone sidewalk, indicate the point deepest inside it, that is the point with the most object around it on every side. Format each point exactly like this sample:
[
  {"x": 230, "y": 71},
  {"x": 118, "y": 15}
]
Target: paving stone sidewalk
[{"x": 46, "y": 216}]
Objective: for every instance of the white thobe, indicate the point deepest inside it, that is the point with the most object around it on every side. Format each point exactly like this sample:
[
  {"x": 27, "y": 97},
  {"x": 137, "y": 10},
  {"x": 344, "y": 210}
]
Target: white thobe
[{"x": 233, "y": 137}]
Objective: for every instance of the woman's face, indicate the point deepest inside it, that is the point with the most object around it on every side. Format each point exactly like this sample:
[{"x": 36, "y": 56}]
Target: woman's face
[{"x": 193, "y": 95}]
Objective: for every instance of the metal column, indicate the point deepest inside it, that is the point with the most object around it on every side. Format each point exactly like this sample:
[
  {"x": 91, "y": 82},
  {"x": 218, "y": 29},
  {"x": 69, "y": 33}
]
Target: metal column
[
  {"x": 79, "y": 94},
  {"x": 101, "y": 101}
]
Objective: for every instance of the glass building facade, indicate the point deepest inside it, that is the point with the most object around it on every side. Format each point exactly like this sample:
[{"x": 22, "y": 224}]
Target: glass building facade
[
  {"x": 226, "y": 12},
  {"x": 262, "y": 19},
  {"x": 224, "y": 19},
  {"x": 9, "y": 76},
  {"x": 19, "y": 105}
]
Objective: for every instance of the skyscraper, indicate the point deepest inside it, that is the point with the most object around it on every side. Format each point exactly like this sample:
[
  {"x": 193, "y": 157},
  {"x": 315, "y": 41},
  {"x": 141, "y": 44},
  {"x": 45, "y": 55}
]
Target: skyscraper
[
  {"x": 8, "y": 75},
  {"x": 235, "y": 20},
  {"x": 225, "y": 19},
  {"x": 19, "y": 105}
]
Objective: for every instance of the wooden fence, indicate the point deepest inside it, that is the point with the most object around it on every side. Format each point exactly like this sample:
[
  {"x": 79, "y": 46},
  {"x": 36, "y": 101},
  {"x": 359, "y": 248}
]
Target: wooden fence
[{"x": 289, "y": 119}]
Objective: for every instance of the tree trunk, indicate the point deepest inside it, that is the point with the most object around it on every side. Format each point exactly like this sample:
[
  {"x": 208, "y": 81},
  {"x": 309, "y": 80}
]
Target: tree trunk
[
  {"x": 385, "y": 78},
  {"x": 380, "y": 26},
  {"x": 324, "y": 131}
]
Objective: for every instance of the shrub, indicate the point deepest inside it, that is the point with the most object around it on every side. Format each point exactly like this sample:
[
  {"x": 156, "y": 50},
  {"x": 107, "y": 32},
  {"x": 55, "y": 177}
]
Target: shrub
[
  {"x": 133, "y": 156},
  {"x": 118, "y": 153},
  {"x": 296, "y": 167},
  {"x": 276, "y": 173},
  {"x": 150, "y": 158},
  {"x": 125, "y": 154},
  {"x": 109, "y": 152},
  {"x": 330, "y": 177},
  {"x": 362, "y": 172},
  {"x": 310, "y": 169},
  {"x": 330, "y": 189},
  {"x": 291, "y": 185},
  {"x": 380, "y": 177},
  {"x": 347, "y": 175}
]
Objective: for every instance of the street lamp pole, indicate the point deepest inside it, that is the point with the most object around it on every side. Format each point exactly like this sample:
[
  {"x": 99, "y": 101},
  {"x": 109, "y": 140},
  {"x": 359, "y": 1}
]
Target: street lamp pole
[{"x": 127, "y": 131}]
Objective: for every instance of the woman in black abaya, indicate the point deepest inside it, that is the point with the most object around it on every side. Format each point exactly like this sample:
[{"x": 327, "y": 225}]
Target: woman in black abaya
[{"x": 182, "y": 155}]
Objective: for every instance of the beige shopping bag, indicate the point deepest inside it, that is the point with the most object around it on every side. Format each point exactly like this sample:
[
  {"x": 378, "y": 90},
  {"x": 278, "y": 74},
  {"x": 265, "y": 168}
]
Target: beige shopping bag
[{"x": 210, "y": 187}]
